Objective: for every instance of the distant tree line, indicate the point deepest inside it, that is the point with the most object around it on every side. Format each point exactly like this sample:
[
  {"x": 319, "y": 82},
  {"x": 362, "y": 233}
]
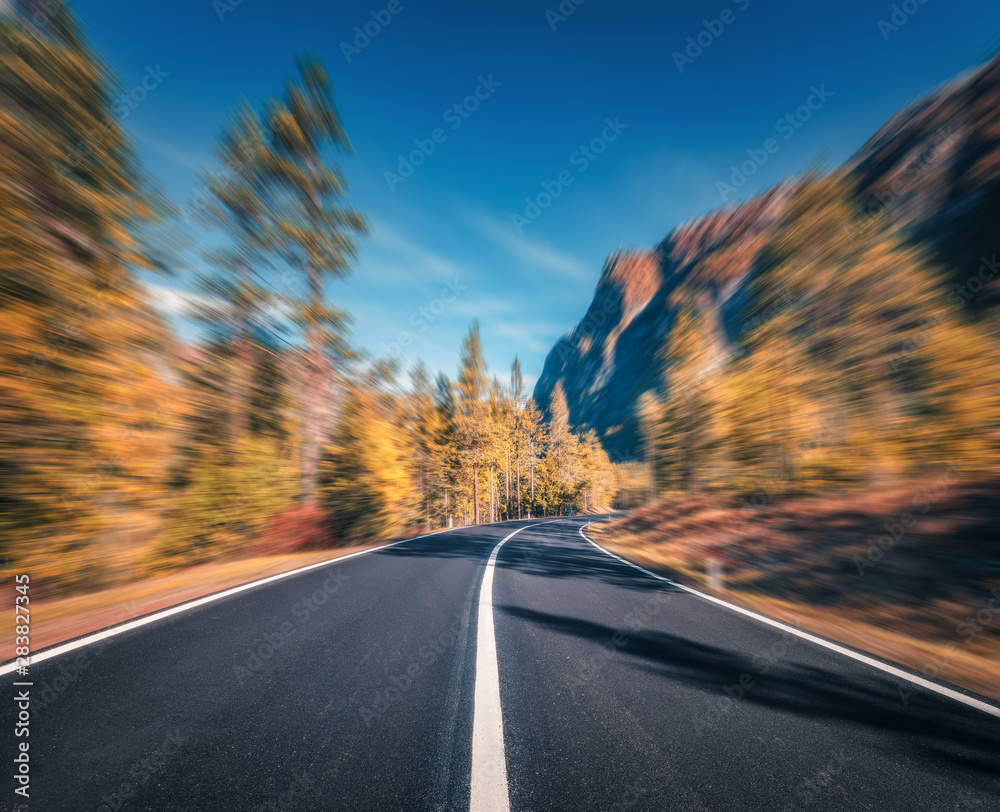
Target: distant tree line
[
  {"x": 472, "y": 450},
  {"x": 124, "y": 450}
]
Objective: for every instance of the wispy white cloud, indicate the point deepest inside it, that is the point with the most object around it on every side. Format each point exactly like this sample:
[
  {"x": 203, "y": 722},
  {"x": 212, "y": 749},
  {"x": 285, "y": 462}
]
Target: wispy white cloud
[
  {"x": 174, "y": 301},
  {"x": 407, "y": 259},
  {"x": 532, "y": 252},
  {"x": 530, "y": 336},
  {"x": 167, "y": 150},
  {"x": 486, "y": 307}
]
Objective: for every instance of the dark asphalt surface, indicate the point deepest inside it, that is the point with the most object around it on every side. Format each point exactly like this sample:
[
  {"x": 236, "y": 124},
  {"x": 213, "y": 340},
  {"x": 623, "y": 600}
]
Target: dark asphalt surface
[{"x": 350, "y": 687}]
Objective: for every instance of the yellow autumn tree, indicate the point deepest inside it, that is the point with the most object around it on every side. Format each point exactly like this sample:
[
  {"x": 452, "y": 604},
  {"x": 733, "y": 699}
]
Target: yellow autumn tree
[{"x": 368, "y": 476}]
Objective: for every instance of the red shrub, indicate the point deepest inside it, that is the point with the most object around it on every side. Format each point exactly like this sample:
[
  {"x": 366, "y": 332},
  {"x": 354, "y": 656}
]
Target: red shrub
[{"x": 297, "y": 529}]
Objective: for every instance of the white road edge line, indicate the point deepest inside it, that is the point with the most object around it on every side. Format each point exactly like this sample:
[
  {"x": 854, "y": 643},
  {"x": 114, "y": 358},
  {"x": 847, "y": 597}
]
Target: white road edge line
[
  {"x": 819, "y": 641},
  {"x": 489, "y": 761},
  {"x": 114, "y": 631}
]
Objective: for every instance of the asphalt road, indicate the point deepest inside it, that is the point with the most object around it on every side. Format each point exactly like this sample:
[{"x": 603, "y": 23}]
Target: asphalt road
[{"x": 353, "y": 687}]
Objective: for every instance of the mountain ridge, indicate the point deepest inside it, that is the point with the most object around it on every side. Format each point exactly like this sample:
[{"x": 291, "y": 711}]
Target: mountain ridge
[{"x": 934, "y": 166}]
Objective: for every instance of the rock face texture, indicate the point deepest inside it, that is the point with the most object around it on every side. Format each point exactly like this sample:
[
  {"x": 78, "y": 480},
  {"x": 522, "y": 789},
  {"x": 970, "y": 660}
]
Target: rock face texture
[{"x": 934, "y": 167}]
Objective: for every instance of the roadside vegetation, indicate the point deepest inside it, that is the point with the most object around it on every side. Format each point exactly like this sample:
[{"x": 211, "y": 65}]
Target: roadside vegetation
[
  {"x": 127, "y": 452},
  {"x": 842, "y": 455}
]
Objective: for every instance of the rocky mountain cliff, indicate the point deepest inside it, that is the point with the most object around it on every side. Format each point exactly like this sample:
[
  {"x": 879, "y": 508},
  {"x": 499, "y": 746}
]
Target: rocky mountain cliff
[{"x": 934, "y": 167}]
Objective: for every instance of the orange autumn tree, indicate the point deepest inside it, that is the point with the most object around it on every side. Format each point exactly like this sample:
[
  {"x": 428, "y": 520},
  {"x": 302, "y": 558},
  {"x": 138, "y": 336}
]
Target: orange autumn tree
[{"x": 85, "y": 411}]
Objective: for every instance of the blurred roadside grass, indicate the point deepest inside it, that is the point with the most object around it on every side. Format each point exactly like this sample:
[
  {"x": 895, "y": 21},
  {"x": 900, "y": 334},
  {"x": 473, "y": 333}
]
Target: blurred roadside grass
[
  {"x": 923, "y": 603},
  {"x": 56, "y": 620}
]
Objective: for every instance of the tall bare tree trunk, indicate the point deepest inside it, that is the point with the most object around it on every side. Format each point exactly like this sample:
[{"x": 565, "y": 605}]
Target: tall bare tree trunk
[
  {"x": 315, "y": 393},
  {"x": 519, "y": 486},
  {"x": 532, "y": 479},
  {"x": 427, "y": 503},
  {"x": 239, "y": 374},
  {"x": 506, "y": 484},
  {"x": 475, "y": 490}
]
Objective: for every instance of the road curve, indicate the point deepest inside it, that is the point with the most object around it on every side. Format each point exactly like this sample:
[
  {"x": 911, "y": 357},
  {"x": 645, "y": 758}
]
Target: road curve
[{"x": 353, "y": 686}]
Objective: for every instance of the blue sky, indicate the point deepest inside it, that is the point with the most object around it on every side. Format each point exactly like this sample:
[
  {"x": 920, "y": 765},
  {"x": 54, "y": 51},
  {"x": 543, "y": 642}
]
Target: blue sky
[{"x": 552, "y": 82}]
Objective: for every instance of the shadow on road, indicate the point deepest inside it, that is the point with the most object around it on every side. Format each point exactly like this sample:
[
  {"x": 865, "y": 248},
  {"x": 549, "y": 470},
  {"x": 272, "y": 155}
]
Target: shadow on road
[
  {"x": 464, "y": 542},
  {"x": 568, "y": 556},
  {"x": 553, "y": 550},
  {"x": 938, "y": 728}
]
